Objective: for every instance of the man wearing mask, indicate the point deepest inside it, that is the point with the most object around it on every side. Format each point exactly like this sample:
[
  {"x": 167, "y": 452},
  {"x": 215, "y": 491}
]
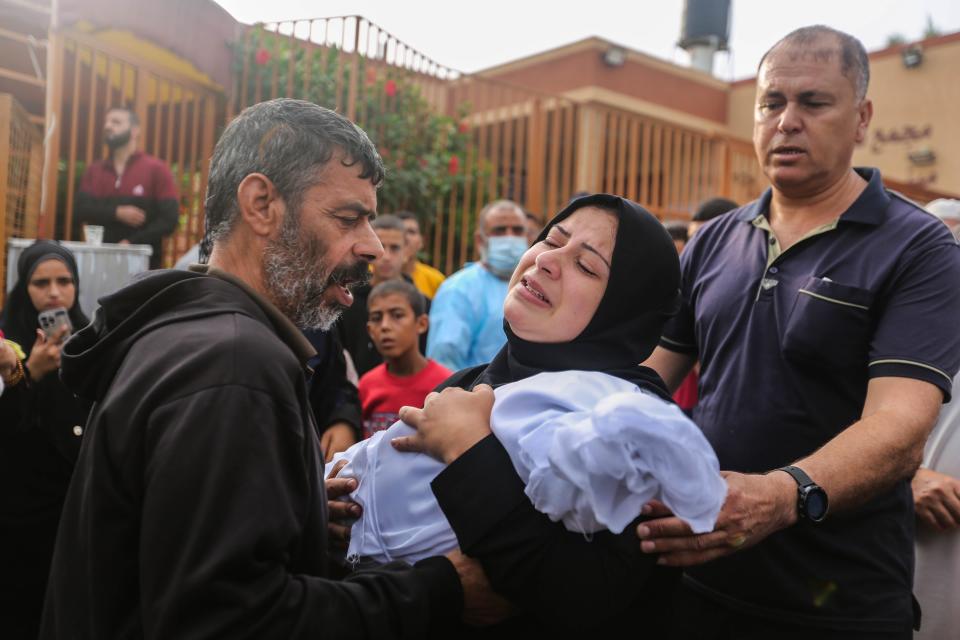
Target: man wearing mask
[
  {"x": 466, "y": 319},
  {"x": 130, "y": 194}
]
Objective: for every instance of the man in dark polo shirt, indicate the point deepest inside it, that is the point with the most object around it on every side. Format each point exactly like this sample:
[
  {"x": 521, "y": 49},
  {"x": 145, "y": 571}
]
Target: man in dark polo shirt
[
  {"x": 130, "y": 194},
  {"x": 824, "y": 317}
]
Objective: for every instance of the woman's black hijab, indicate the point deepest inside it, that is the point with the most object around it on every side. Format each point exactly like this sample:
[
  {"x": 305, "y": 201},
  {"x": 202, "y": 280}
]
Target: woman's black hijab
[
  {"x": 642, "y": 294},
  {"x": 19, "y": 319}
]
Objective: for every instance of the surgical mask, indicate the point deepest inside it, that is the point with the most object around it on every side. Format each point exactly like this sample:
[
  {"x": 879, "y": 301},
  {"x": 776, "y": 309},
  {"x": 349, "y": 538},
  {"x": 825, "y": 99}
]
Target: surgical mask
[{"x": 503, "y": 254}]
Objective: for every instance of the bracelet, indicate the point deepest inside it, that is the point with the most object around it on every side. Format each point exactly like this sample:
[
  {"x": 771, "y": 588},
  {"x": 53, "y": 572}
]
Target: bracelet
[{"x": 18, "y": 375}]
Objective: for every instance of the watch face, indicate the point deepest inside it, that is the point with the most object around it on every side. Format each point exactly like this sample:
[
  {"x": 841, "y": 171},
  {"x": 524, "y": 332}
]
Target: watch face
[{"x": 815, "y": 504}]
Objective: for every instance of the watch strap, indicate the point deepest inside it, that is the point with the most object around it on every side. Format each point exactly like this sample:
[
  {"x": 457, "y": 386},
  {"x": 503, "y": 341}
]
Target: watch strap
[{"x": 799, "y": 475}]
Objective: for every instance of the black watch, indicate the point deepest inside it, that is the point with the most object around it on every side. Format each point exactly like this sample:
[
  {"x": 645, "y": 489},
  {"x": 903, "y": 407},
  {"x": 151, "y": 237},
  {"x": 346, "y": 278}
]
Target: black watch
[{"x": 812, "y": 500}]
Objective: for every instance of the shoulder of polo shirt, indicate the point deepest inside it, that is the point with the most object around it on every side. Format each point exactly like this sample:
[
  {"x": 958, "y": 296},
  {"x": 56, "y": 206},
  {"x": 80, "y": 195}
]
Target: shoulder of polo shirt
[{"x": 900, "y": 196}]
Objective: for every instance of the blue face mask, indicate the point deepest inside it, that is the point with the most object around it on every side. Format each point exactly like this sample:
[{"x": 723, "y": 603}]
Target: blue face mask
[{"x": 503, "y": 254}]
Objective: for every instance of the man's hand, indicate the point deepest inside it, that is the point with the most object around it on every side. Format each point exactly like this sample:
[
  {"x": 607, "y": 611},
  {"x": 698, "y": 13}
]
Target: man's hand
[
  {"x": 336, "y": 438},
  {"x": 45, "y": 355},
  {"x": 481, "y": 604},
  {"x": 450, "y": 422},
  {"x": 130, "y": 215},
  {"x": 936, "y": 498},
  {"x": 339, "y": 511},
  {"x": 756, "y": 506}
]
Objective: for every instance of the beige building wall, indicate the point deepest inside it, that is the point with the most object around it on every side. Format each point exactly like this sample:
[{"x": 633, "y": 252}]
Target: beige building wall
[
  {"x": 740, "y": 102},
  {"x": 916, "y": 111}
]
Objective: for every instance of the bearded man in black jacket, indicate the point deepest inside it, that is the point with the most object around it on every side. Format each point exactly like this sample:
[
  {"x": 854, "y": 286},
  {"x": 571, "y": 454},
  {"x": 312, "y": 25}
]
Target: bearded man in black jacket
[{"x": 197, "y": 509}]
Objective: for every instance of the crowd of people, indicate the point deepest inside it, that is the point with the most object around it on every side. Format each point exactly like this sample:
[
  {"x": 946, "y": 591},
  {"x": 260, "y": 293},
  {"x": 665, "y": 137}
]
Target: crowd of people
[{"x": 722, "y": 428}]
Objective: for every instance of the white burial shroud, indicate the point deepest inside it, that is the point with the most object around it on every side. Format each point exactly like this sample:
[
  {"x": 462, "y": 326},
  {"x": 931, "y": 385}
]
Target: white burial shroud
[{"x": 591, "y": 448}]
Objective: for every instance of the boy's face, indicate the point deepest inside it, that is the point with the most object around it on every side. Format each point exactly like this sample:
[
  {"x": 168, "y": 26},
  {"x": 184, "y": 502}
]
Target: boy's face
[
  {"x": 388, "y": 266},
  {"x": 392, "y": 326}
]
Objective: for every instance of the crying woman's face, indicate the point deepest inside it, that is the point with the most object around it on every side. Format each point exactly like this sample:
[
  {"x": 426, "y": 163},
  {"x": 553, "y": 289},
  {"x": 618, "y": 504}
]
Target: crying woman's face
[{"x": 558, "y": 285}]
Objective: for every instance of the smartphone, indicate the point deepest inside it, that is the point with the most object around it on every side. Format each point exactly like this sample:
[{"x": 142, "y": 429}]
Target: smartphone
[{"x": 52, "y": 321}]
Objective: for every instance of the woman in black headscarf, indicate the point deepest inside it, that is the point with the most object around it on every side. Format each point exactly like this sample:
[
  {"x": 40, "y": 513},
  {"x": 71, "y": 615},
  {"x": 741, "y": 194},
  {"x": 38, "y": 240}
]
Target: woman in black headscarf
[
  {"x": 41, "y": 424},
  {"x": 590, "y": 295}
]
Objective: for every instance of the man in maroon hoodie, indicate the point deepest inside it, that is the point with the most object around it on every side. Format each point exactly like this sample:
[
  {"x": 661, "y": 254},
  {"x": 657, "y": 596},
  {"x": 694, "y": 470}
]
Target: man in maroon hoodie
[{"x": 130, "y": 194}]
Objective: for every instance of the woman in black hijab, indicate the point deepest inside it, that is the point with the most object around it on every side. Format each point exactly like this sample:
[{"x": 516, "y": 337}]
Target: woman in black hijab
[
  {"x": 41, "y": 424},
  {"x": 565, "y": 585}
]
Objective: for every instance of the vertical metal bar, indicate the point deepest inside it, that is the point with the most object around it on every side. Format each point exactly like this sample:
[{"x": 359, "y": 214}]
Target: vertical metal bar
[
  {"x": 181, "y": 147},
  {"x": 354, "y": 72},
  {"x": 645, "y": 165},
  {"x": 569, "y": 154},
  {"x": 244, "y": 75},
  {"x": 292, "y": 57},
  {"x": 685, "y": 171},
  {"x": 622, "y": 140},
  {"x": 438, "y": 233},
  {"x": 92, "y": 103},
  {"x": 275, "y": 74},
  {"x": 696, "y": 177},
  {"x": 656, "y": 167},
  {"x": 53, "y": 107},
  {"x": 633, "y": 171},
  {"x": 343, "y": 42},
  {"x": 156, "y": 119},
  {"x": 451, "y": 226},
  {"x": 308, "y": 55},
  {"x": 610, "y": 122},
  {"x": 465, "y": 206},
  {"x": 553, "y": 162},
  {"x": 72, "y": 155},
  {"x": 168, "y": 124},
  {"x": 6, "y": 122}
]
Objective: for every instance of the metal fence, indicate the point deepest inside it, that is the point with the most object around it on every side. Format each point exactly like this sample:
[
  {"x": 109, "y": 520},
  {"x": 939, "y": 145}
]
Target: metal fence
[
  {"x": 21, "y": 164},
  {"x": 534, "y": 148}
]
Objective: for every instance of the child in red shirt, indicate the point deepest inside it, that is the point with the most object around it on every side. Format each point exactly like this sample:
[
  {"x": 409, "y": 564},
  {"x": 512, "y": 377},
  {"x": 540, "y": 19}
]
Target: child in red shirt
[{"x": 395, "y": 320}]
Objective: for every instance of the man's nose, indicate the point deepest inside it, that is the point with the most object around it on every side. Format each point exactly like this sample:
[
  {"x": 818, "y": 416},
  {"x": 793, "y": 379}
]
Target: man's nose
[
  {"x": 790, "y": 120},
  {"x": 368, "y": 247}
]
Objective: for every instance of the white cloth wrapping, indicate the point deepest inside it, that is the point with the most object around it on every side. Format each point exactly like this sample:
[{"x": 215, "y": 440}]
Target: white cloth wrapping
[{"x": 592, "y": 449}]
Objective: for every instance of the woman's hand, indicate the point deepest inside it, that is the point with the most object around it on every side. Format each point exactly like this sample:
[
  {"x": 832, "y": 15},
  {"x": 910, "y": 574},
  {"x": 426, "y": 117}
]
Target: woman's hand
[
  {"x": 450, "y": 422},
  {"x": 45, "y": 355}
]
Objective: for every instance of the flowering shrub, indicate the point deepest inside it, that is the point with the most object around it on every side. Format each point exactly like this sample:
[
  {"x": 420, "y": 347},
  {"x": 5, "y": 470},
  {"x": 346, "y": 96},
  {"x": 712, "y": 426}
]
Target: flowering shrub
[{"x": 425, "y": 152}]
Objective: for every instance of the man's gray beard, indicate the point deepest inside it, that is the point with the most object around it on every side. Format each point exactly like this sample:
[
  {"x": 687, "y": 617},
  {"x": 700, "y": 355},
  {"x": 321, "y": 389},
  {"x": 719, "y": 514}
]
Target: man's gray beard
[{"x": 296, "y": 275}]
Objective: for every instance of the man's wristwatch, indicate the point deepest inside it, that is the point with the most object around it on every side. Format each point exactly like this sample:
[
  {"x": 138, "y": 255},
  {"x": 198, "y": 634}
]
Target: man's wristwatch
[{"x": 812, "y": 500}]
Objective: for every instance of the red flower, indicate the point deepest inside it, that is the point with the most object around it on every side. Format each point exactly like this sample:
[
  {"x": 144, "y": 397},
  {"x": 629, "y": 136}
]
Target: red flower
[
  {"x": 384, "y": 153},
  {"x": 464, "y": 126},
  {"x": 423, "y": 163},
  {"x": 262, "y": 56},
  {"x": 454, "y": 165},
  {"x": 390, "y": 88}
]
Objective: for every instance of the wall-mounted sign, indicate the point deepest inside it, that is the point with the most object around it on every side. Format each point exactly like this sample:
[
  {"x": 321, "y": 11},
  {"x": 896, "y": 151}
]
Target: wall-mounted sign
[{"x": 899, "y": 135}]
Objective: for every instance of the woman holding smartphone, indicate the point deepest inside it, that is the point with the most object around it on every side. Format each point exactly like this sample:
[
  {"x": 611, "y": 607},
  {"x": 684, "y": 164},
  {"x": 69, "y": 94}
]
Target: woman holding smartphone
[{"x": 41, "y": 425}]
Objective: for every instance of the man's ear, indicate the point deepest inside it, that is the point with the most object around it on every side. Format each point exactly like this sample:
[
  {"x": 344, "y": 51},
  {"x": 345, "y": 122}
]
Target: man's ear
[
  {"x": 261, "y": 207},
  {"x": 864, "y": 115},
  {"x": 423, "y": 323}
]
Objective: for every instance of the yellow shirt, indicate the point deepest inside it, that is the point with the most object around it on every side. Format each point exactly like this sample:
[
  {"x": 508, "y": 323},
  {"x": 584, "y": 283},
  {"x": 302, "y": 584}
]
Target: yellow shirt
[{"x": 427, "y": 279}]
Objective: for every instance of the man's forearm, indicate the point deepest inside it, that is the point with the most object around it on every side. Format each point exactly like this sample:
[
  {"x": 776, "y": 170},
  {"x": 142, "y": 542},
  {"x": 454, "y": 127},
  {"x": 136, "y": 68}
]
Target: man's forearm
[
  {"x": 91, "y": 210},
  {"x": 873, "y": 454}
]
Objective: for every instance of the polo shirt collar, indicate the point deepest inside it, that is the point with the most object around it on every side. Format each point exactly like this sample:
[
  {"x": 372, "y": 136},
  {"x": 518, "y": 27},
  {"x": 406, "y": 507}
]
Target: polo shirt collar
[{"x": 870, "y": 208}]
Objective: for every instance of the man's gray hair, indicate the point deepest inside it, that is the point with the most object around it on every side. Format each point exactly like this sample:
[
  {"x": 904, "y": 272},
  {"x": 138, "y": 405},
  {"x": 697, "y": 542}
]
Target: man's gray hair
[
  {"x": 854, "y": 61},
  {"x": 494, "y": 206},
  {"x": 288, "y": 141}
]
